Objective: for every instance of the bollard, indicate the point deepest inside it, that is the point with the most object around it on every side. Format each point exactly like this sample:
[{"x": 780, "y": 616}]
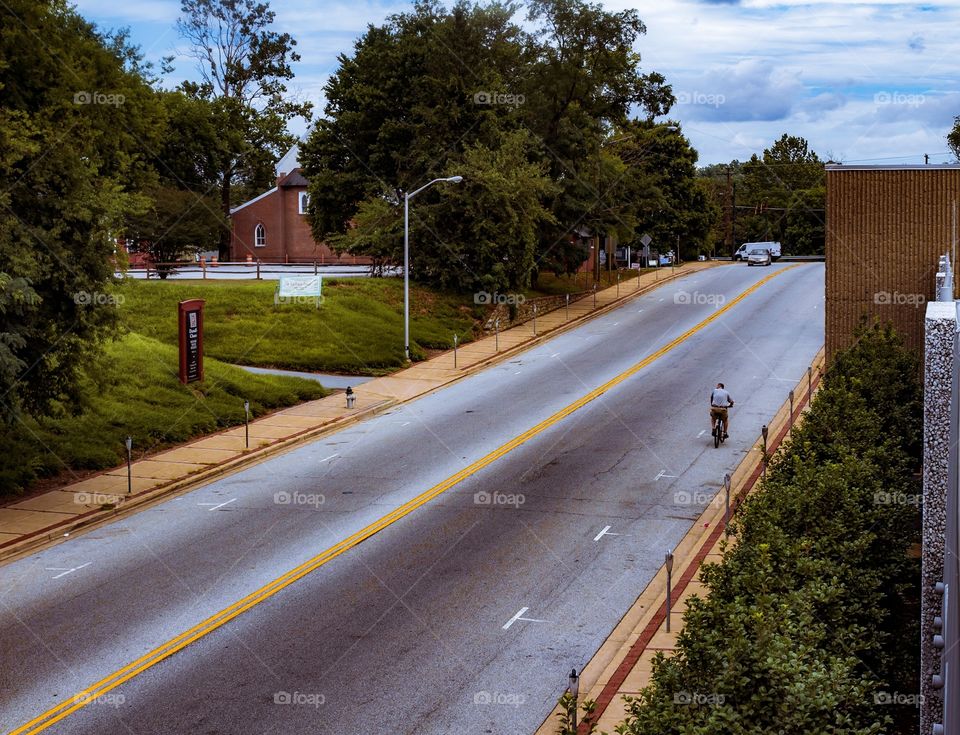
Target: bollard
[
  {"x": 726, "y": 512},
  {"x": 764, "y": 431},
  {"x": 246, "y": 423},
  {"x": 791, "y": 409},
  {"x": 668, "y": 560},
  {"x": 573, "y": 686},
  {"x": 594, "y": 296},
  {"x": 534, "y": 320},
  {"x": 568, "y": 307},
  {"x": 618, "y": 284},
  {"x": 454, "y": 352},
  {"x": 351, "y": 397},
  {"x": 129, "y": 443}
]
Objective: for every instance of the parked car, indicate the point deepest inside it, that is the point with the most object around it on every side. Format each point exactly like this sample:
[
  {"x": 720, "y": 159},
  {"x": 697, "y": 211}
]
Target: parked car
[
  {"x": 759, "y": 256},
  {"x": 771, "y": 245}
]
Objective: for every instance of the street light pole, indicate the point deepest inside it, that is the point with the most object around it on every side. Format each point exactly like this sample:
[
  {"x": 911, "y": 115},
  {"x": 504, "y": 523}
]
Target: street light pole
[{"x": 406, "y": 257}]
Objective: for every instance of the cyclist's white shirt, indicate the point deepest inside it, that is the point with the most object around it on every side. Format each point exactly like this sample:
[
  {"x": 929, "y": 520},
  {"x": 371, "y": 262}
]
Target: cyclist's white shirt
[{"x": 720, "y": 398}]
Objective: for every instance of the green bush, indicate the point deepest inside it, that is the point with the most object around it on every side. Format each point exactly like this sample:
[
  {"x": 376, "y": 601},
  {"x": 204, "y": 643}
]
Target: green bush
[{"x": 813, "y": 615}]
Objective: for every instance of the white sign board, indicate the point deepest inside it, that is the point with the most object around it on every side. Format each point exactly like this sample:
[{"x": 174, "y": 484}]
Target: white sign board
[{"x": 291, "y": 286}]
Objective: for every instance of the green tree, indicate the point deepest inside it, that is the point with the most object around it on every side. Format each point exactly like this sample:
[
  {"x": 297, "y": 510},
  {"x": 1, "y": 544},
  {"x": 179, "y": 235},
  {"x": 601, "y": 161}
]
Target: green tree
[
  {"x": 244, "y": 67},
  {"x": 174, "y": 223},
  {"x": 786, "y": 187},
  {"x": 75, "y": 120}
]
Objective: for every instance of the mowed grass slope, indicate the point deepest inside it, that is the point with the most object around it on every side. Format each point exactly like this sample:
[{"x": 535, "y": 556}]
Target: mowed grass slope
[
  {"x": 358, "y": 328},
  {"x": 134, "y": 390}
]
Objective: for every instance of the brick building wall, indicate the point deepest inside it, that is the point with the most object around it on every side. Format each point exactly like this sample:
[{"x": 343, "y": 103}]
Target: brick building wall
[{"x": 886, "y": 229}]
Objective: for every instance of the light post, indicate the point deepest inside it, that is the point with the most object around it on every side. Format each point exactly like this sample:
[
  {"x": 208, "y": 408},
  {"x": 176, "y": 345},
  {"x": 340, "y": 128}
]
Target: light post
[
  {"x": 726, "y": 511},
  {"x": 406, "y": 257}
]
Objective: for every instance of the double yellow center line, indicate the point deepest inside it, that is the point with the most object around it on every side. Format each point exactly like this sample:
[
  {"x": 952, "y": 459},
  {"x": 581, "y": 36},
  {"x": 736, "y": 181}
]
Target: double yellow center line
[{"x": 158, "y": 654}]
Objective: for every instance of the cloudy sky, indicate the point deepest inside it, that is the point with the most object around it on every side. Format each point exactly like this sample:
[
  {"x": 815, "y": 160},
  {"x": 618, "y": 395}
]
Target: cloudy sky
[{"x": 867, "y": 82}]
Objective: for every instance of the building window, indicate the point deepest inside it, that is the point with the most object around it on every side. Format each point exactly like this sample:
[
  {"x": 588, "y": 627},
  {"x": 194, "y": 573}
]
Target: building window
[
  {"x": 260, "y": 236},
  {"x": 304, "y": 202}
]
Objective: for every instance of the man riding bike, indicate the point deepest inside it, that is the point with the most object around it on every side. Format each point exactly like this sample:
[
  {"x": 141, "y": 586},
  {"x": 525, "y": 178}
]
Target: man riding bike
[{"x": 720, "y": 401}]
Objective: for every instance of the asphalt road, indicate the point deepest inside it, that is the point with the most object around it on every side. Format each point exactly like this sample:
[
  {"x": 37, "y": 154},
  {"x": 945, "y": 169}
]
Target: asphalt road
[{"x": 465, "y": 615}]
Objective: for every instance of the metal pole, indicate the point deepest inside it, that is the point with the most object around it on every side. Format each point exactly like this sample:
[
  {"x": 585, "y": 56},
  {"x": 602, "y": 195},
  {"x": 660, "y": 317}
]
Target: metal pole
[
  {"x": 568, "y": 307},
  {"x": 809, "y": 385},
  {"x": 454, "y": 351},
  {"x": 594, "y": 296},
  {"x": 258, "y": 269},
  {"x": 129, "y": 444},
  {"x": 726, "y": 512},
  {"x": 246, "y": 423},
  {"x": 668, "y": 560},
  {"x": 791, "y": 409},
  {"x": 496, "y": 325},
  {"x": 764, "y": 431},
  {"x": 574, "y": 689},
  {"x": 618, "y": 284},
  {"x": 534, "y": 320},
  {"x": 406, "y": 276}
]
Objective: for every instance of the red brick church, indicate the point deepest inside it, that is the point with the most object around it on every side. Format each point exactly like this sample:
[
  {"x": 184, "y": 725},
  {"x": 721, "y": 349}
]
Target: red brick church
[{"x": 273, "y": 227}]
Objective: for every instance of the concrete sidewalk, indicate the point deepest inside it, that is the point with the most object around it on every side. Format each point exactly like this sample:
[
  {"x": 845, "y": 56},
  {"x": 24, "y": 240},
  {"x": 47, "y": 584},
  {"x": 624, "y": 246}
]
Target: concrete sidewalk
[
  {"x": 31, "y": 523},
  {"x": 624, "y": 663}
]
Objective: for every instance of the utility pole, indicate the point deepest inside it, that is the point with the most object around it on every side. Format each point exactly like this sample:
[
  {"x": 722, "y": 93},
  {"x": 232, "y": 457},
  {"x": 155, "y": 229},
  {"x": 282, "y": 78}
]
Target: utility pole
[{"x": 729, "y": 223}]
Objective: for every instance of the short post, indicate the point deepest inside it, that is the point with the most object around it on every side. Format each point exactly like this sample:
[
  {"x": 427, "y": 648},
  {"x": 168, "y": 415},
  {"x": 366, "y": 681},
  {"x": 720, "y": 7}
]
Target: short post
[
  {"x": 764, "y": 432},
  {"x": 315, "y": 270},
  {"x": 246, "y": 423},
  {"x": 454, "y": 352},
  {"x": 496, "y": 326},
  {"x": 573, "y": 686},
  {"x": 534, "y": 320},
  {"x": 203, "y": 267},
  {"x": 791, "y": 409},
  {"x": 568, "y": 307},
  {"x": 726, "y": 512},
  {"x": 618, "y": 283},
  {"x": 594, "y": 296},
  {"x": 129, "y": 443},
  {"x": 668, "y": 560},
  {"x": 809, "y": 385},
  {"x": 351, "y": 397},
  {"x": 258, "y": 269}
]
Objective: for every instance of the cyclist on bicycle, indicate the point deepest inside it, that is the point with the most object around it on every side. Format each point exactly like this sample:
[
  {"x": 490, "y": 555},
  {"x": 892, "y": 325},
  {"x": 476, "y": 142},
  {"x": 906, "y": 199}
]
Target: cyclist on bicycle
[{"x": 720, "y": 401}]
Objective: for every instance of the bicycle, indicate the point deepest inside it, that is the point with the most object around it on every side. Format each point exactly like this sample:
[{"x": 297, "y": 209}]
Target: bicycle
[{"x": 718, "y": 432}]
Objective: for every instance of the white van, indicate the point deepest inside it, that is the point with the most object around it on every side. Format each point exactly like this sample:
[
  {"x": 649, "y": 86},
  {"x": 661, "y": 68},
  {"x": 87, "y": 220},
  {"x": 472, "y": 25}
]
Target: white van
[{"x": 744, "y": 250}]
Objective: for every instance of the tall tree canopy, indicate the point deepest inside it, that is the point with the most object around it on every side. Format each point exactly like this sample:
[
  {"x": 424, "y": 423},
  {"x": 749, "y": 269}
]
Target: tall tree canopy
[
  {"x": 524, "y": 115},
  {"x": 76, "y": 119},
  {"x": 244, "y": 67}
]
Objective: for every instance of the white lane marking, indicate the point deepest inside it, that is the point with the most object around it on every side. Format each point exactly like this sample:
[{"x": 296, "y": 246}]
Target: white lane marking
[
  {"x": 517, "y": 373},
  {"x": 65, "y": 572},
  {"x": 218, "y": 505},
  {"x": 663, "y": 473},
  {"x": 327, "y": 459},
  {"x": 605, "y": 532},
  {"x": 555, "y": 354},
  {"x": 519, "y": 616},
  {"x": 701, "y": 433},
  {"x": 661, "y": 299}
]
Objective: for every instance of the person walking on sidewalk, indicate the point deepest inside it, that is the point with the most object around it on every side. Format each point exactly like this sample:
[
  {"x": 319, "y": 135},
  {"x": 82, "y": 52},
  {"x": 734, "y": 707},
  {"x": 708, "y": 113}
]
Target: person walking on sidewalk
[{"x": 720, "y": 401}]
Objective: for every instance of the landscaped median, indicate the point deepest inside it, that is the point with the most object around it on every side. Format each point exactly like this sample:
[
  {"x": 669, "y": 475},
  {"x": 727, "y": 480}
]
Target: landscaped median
[
  {"x": 32, "y": 522},
  {"x": 807, "y": 622}
]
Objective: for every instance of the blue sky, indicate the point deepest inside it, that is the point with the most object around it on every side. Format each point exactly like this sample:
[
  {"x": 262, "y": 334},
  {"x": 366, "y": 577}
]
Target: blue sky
[{"x": 862, "y": 81}]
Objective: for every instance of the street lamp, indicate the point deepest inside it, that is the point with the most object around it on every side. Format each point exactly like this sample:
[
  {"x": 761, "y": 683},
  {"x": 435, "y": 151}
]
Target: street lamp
[
  {"x": 406, "y": 257},
  {"x": 573, "y": 686}
]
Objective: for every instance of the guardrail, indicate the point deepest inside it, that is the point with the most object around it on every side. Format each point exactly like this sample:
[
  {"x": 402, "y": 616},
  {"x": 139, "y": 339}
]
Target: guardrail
[{"x": 252, "y": 270}]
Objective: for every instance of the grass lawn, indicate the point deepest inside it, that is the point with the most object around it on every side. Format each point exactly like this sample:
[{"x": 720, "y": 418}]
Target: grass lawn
[
  {"x": 358, "y": 328},
  {"x": 134, "y": 391}
]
